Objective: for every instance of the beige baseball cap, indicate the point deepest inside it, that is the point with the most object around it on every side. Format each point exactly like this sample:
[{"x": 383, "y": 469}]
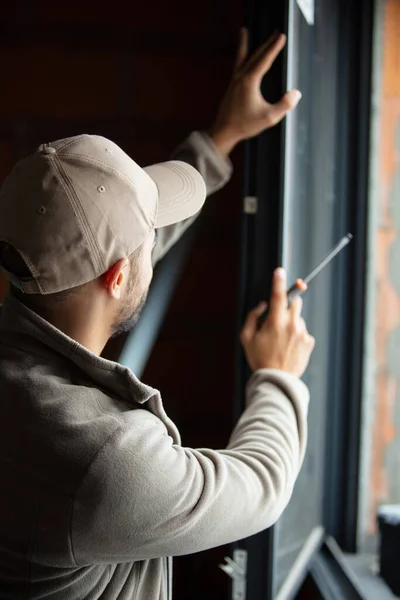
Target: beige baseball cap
[{"x": 78, "y": 205}]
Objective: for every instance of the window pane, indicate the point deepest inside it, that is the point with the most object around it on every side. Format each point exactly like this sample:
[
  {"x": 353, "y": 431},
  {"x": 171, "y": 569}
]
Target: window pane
[{"x": 309, "y": 234}]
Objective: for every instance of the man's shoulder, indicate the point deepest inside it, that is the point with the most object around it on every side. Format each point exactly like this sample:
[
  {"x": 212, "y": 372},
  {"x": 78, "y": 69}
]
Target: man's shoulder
[{"x": 63, "y": 417}]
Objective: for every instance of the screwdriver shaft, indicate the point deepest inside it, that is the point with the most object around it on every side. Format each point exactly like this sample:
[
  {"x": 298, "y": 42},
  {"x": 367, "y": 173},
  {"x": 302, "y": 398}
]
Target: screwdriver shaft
[{"x": 343, "y": 242}]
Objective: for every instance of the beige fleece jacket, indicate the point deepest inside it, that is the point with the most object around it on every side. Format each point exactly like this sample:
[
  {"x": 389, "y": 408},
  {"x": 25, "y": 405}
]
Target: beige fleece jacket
[{"x": 96, "y": 488}]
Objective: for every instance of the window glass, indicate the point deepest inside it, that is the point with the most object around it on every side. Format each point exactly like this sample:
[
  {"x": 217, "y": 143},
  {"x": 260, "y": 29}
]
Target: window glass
[{"x": 309, "y": 234}]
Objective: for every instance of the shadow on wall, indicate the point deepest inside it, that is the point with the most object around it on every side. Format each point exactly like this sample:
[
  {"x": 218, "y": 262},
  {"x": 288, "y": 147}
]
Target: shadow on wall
[{"x": 3, "y": 288}]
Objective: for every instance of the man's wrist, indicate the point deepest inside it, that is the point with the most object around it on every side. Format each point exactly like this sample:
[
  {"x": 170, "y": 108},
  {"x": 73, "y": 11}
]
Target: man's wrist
[{"x": 225, "y": 140}]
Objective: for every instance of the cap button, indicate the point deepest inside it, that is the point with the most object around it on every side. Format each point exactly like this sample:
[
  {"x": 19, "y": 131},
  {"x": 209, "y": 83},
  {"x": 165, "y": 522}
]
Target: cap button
[{"x": 46, "y": 149}]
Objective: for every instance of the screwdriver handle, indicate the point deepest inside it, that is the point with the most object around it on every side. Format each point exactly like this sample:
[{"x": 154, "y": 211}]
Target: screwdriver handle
[{"x": 297, "y": 289}]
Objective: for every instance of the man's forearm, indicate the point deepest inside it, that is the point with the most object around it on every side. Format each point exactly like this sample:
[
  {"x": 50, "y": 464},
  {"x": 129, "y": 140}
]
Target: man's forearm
[
  {"x": 202, "y": 153},
  {"x": 224, "y": 140}
]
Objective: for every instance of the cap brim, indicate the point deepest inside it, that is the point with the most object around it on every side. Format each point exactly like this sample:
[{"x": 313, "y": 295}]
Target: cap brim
[{"x": 181, "y": 191}]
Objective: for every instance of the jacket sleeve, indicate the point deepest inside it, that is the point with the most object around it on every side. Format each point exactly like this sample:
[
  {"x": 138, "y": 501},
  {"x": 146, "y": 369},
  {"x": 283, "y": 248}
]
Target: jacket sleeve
[
  {"x": 145, "y": 497},
  {"x": 200, "y": 152}
]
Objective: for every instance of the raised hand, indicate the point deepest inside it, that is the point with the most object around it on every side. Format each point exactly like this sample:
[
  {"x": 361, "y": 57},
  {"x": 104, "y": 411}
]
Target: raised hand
[{"x": 244, "y": 112}]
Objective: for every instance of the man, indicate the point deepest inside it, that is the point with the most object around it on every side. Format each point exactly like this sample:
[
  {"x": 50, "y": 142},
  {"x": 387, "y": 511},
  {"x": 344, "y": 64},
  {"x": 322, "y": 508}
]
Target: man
[{"x": 96, "y": 490}]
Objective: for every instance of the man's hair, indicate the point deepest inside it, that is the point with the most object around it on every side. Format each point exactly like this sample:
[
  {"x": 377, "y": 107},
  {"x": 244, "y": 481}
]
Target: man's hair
[{"x": 13, "y": 262}]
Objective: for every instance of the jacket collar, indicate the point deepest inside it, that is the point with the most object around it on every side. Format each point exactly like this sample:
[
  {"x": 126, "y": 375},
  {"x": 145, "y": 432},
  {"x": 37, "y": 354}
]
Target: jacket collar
[{"x": 27, "y": 330}]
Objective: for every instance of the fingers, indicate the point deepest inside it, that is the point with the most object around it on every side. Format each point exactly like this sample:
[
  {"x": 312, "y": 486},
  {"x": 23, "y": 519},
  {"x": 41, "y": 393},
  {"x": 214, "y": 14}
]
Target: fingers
[
  {"x": 302, "y": 326},
  {"x": 276, "y": 112},
  {"x": 298, "y": 324},
  {"x": 259, "y": 53},
  {"x": 242, "y": 49},
  {"x": 295, "y": 311},
  {"x": 251, "y": 324},
  {"x": 265, "y": 61},
  {"x": 311, "y": 341},
  {"x": 278, "y": 301}
]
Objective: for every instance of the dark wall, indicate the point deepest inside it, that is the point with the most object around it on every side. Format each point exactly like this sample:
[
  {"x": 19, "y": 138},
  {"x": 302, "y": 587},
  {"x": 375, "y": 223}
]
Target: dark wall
[
  {"x": 144, "y": 74},
  {"x": 193, "y": 363}
]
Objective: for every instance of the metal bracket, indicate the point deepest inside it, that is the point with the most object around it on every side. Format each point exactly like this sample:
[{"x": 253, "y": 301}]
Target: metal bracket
[
  {"x": 250, "y": 205},
  {"x": 237, "y": 571}
]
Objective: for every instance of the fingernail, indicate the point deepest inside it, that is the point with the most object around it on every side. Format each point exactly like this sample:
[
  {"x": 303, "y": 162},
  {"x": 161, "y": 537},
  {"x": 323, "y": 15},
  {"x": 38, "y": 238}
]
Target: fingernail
[
  {"x": 297, "y": 95},
  {"x": 280, "y": 273},
  {"x": 262, "y": 305}
]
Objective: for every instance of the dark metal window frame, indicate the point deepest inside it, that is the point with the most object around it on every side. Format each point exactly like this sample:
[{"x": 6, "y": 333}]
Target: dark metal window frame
[
  {"x": 343, "y": 459},
  {"x": 262, "y": 251},
  {"x": 332, "y": 576}
]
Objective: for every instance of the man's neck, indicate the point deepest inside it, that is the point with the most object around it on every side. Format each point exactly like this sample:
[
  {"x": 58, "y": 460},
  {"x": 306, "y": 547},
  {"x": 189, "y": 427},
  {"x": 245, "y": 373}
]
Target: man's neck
[{"x": 78, "y": 320}]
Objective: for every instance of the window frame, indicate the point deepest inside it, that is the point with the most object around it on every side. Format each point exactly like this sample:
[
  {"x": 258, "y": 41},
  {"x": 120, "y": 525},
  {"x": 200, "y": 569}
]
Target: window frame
[{"x": 259, "y": 259}]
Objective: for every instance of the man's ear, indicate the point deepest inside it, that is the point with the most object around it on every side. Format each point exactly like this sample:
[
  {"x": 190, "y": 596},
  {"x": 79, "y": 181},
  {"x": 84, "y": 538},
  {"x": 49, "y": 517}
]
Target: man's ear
[{"x": 116, "y": 277}]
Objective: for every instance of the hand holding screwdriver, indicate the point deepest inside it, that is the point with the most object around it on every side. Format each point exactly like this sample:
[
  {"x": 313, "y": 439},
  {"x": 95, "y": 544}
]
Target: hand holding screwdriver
[
  {"x": 301, "y": 285},
  {"x": 282, "y": 342}
]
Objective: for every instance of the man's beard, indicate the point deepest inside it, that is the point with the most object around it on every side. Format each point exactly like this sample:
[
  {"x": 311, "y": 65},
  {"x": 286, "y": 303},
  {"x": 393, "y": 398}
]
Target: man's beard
[{"x": 128, "y": 321}]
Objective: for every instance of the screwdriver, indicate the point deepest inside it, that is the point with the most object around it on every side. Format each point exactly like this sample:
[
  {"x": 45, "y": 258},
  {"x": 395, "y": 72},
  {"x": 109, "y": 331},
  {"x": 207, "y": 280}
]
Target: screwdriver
[{"x": 301, "y": 285}]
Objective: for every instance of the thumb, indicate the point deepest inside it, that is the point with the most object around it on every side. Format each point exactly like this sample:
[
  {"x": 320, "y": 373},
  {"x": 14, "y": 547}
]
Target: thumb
[
  {"x": 251, "y": 324},
  {"x": 287, "y": 103}
]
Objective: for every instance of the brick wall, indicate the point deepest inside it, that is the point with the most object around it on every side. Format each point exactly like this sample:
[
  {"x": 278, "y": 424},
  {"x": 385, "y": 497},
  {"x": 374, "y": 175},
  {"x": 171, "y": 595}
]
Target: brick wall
[{"x": 381, "y": 447}]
